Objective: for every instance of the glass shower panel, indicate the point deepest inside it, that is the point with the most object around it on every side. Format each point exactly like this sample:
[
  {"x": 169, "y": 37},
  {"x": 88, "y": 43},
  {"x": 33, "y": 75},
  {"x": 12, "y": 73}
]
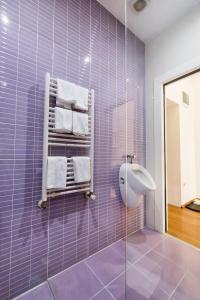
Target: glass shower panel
[{"x": 135, "y": 148}]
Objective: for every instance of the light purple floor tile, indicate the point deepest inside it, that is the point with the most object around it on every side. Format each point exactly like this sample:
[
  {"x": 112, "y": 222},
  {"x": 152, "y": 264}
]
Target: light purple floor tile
[
  {"x": 182, "y": 254},
  {"x": 108, "y": 263},
  {"x": 41, "y": 292},
  {"x": 77, "y": 283},
  {"x": 133, "y": 252},
  {"x": 189, "y": 289},
  {"x": 135, "y": 286},
  {"x": 120, "y": 247},
  {"x": 160, "y": 270},
  {"x": 117, "y": 287},
  {"x": 103, "y": 295},
  {"x": 141, "y": 242}
]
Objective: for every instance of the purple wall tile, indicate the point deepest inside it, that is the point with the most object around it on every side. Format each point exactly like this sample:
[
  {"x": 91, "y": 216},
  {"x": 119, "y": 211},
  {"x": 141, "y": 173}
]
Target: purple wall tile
[{"x": 56, "y": 36}]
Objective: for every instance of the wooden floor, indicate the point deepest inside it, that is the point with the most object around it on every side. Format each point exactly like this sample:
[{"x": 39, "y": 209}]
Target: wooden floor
[{"x": 184, "y": 224}]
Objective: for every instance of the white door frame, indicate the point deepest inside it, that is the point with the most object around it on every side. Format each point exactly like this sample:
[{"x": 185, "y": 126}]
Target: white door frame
[{"x": 159, "y": 158}]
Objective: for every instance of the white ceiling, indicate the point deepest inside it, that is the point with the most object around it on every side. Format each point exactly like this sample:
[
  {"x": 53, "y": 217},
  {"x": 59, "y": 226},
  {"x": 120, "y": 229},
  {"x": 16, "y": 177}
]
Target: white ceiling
[{"x": 156, "y": 17}]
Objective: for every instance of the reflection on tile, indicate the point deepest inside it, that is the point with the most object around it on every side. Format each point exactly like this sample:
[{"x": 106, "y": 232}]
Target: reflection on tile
[
  {"x": 108, "y": 263},
  {"x": 182, "y": 254},
  {"x": 41, "y": 292},
  {"x": 189, "y": 289},
  {"x": 161, "y": 271},
  {"x": 134, "y": 285},
  {"x": 145, "y": 237},
  {"x": 133, "y": 252},
  {"x": 140, "y": 242},
  {"x": 78, "y": 282}
]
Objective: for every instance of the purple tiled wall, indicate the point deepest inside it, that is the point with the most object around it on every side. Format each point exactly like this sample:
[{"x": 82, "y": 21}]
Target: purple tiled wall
[{"x": 39, "y": 36}]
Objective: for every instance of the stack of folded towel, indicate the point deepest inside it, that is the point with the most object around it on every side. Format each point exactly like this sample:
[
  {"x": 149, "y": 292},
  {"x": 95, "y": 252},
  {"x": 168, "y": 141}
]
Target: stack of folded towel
[
  {"x": 71, "y": 121},
  {"x": 80, "y": 123},
  {"x": 56, "y": 172},
  {"x": 81, "y": 168},
  {"x": 67, "y": 120},
  {"x": 69, "y": 93},
  {"x": 63, "y": 120},
  {"x": 81, "y": 98},
  {"x": 65, "y": 93}
]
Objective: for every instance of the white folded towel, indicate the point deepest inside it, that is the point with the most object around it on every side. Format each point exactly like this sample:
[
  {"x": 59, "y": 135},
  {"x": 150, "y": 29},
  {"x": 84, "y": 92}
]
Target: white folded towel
[
  {"x": 81, "y": 98},
  {"x": 81, "y": 168},
  {"x": 66, "y": 93},
  {"x": 80, "y": 123},
  {"x": 56, "y": 172},
  {"x": 63, "y": 120}
]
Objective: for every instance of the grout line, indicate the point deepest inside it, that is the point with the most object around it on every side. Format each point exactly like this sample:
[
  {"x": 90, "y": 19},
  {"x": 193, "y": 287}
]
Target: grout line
[
  {"x": 49, "y": 206},
  {"x": 110, "y": 293},
  {"x": 96, "y": 294},
  {"x": 53, "y": 298},
  {"x": 34, "y": 151},
  {"x": 148, "y": 251},
  {"x": 97, "y": 277},
  {"x": 120, "y": 274},
  {"x": 173, "y": 292},
  {"x": 14, "y": 151}
]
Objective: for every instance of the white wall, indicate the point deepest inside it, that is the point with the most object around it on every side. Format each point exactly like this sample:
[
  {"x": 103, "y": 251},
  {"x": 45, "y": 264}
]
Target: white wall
[
  {"x": 173, "y": 162},
  {"x": 197, "y": 133},
  {"x": 189, "y": 129},
  {"x": 173, "y": 48},
  {"x": 188, "y": 168}
]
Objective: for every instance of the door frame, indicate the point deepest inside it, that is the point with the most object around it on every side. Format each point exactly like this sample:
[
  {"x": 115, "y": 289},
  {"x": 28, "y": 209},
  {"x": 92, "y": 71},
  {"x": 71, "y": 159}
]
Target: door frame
[{"x": 160, "y": 208}]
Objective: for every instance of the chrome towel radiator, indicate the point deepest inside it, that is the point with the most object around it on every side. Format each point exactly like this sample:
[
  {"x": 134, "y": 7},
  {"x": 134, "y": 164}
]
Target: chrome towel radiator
[{"x": 67, "y": 140}]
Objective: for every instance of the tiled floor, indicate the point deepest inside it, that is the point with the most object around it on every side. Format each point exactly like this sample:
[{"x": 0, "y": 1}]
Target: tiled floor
[{"x": 147, "y": 266}]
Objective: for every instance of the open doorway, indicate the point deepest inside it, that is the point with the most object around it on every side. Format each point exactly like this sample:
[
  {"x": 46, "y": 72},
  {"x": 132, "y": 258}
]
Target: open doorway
[{"x": 182, "y": 157}]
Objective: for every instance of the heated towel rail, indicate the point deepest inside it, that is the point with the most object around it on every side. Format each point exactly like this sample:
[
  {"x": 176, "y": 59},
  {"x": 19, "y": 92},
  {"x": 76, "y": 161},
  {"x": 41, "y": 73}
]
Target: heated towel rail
[{"x": 67, "y": 140}]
